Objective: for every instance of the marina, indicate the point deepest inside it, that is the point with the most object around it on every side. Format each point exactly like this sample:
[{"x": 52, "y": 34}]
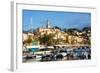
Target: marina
[{"x": 58, "y": 53}]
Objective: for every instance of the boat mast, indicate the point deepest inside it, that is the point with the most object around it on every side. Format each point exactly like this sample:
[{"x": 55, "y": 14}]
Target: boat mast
[{"x": 31, "y": 25}]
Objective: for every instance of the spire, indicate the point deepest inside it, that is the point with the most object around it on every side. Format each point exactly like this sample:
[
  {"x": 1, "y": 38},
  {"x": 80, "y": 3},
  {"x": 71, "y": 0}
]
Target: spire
[{"x": 48, "y": 24}]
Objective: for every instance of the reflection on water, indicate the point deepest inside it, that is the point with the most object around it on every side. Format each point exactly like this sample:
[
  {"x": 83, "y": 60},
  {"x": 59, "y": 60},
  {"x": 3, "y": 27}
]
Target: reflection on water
[{"x": 56, "y": 54}]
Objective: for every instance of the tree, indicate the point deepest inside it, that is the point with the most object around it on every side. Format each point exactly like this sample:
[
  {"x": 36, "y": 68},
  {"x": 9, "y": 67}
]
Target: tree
[
  {"x": 65, "y": 30},
  {"x": 29, "y": 40},
  {"x": 47, "y": 39},
  {"x": 72, "y": 31},
  {"x": 56, "y": 27}
]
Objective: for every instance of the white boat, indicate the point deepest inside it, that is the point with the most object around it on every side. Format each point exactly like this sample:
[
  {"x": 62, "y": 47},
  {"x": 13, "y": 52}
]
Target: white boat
[{"x": 35, "y": 46}]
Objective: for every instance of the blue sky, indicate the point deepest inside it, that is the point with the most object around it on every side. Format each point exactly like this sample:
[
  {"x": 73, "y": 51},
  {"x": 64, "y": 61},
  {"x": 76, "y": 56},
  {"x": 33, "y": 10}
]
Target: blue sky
[{"x": 60, "y": 19}]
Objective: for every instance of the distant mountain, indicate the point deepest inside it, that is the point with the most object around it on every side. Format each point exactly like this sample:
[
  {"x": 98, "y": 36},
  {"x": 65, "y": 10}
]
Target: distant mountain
[
  {"x": 25, "y": 31},
  {"x": 31, "y": 31},
  {"x": 86, "y": 28}
]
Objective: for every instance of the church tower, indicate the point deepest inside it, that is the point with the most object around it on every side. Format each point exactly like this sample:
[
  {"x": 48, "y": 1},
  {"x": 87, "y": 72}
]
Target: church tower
[{"x": 48, "y": 24}]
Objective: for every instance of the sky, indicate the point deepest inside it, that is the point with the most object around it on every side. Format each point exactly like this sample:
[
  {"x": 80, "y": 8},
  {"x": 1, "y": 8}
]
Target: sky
[{"x": 36, "y": 19}]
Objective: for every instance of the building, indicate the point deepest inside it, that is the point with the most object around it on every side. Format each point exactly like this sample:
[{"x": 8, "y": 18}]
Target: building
[{"x": 59, "y": 35}]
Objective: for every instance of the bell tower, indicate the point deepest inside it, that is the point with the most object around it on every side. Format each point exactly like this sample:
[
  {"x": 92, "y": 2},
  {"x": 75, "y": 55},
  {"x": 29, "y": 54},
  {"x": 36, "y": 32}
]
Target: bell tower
[{"x": 48, "y": 24}]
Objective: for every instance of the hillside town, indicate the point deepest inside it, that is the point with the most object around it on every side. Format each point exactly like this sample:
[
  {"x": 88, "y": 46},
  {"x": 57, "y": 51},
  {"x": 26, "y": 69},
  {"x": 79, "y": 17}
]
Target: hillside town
[
  {"x": 57, "y": 36},
  {"x": 52, "y": 40}
]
